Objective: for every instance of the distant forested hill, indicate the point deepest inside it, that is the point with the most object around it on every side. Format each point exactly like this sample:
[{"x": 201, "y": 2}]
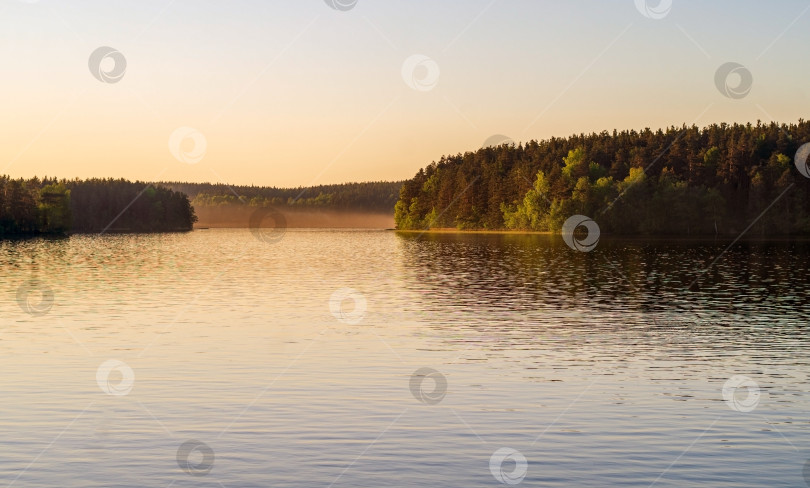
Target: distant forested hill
[
  {"x": 682, "y": 181},
  {"x": 375, "y": 197},
  {"x": 51, "y": 206}
]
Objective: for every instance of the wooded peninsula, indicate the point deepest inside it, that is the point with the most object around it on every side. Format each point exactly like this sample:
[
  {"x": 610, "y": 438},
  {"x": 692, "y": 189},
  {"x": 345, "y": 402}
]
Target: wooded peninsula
[
  {"x": 51, "y": 206},
  {"x": 682, "y": 180}
]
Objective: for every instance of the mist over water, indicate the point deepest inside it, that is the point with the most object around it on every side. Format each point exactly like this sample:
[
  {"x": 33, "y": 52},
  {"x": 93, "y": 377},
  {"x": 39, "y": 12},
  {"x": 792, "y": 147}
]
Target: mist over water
[{"x": 238, "y": 216}]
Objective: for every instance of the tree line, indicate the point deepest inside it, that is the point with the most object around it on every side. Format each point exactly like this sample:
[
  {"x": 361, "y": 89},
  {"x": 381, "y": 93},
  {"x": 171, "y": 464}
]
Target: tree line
[
  {"x": 58, "y": 206},
  {"x": 377, "y": 196},
  {"x": 682, "y": 180}
]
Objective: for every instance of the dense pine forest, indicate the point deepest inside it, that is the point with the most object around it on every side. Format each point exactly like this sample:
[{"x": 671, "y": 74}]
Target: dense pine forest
[
  {"x": 682, "y": 180},
  {"x": 51, "y": 206},
  {"x": 367, "y": 197}
]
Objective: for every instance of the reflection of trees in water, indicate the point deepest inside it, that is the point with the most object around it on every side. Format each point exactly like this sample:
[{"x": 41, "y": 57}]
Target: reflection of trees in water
[
  {"x": 530, "y": 299},
  {"x": 506, "y": 277}
]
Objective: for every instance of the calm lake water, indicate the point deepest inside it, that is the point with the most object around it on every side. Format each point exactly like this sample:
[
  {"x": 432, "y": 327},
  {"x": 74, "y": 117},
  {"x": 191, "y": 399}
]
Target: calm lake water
[{"x": 371, "y": 358}]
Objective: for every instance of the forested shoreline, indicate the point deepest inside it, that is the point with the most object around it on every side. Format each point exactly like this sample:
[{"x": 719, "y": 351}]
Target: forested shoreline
[
  {"x": 60, "y": 206},
  {"x": 687, "y": 181},
  {"x": 680, "y": 181}
]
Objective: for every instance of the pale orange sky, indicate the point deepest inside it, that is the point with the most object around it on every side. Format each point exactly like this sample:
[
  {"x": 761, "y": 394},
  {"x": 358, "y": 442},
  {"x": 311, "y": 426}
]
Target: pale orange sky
[{"x": 297, "y": 93}]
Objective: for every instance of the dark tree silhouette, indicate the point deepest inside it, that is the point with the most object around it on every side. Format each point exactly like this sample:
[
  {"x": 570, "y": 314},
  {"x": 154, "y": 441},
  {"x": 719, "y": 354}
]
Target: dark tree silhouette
[{"x": 51, "y": 206}]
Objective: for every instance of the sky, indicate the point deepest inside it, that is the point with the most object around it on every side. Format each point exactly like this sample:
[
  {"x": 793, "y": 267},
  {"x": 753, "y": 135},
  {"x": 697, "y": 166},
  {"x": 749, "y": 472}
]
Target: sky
[{"x": 303, "y": 92}]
